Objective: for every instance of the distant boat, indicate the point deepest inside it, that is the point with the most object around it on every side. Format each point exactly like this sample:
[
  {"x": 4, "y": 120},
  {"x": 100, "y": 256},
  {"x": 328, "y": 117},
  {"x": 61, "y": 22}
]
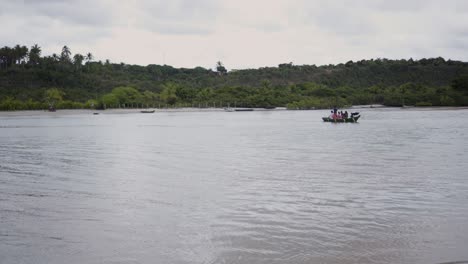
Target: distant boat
[
  {"x": 243, "y": 109},
  {"x": 230, "y": 109},
  {"x": 95, "y": 113},
  {"x": 147, "y": 111},
  {"x": 352, "y": 119}
]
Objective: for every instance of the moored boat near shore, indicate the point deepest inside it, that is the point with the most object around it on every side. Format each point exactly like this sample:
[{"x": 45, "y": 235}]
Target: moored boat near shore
[
  {"x": 243, "y": 109},
  {"x": 229, "y": 109}
]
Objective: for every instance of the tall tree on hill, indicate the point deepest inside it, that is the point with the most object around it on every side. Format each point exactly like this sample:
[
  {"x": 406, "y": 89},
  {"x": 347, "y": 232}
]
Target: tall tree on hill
[
  {"x": 55, "y": 57},
  {"x": 65, "y": 56},
  {"x": 89, "y": 57},
  {"x": 6, "y": 57},
  {"x": 18, "y": 54},
  {"x": 78, "y": 60},
  {"x": 220, "y": 68},
  {"x": 34, "y": 54}
]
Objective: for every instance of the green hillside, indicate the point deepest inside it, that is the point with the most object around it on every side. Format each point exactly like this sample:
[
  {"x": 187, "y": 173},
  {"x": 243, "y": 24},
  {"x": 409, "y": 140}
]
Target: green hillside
[{"x": 29, "y": 80}]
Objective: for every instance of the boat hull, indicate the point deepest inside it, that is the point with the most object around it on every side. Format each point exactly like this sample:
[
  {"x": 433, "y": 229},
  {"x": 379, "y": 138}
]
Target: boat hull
[{"x": 353, "y": 119}]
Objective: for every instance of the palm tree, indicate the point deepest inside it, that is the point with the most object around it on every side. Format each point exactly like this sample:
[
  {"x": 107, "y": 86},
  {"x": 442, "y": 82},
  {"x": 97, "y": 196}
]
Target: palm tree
[
  {"x": 65, "y": 55},
  {"x": 16, "y": 53},
  {"x": 34, "y": 54},
  {"x": 23, "y": 53},
  {"x": 55, "y": 57},
  {"x": 78, "y": 60},
  {"x": 6, "y": 56},
  {"x": 220, "y": 68},
  {"x": 89, "y": 57},
  {"x": 19, "y": 53}
]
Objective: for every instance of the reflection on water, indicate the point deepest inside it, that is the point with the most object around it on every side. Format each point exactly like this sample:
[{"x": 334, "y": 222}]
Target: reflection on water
[{"x": 217, "y": 187}]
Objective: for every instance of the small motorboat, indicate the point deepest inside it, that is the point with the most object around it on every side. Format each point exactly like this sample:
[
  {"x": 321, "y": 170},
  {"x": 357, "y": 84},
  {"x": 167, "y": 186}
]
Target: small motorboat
[
  {"x": 351, "y": 119},
  {"x": 147, "y": 111}
]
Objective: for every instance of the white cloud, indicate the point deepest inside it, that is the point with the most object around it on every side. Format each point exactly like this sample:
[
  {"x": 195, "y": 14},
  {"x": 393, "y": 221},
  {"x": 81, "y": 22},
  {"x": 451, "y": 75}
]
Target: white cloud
[{"x": 243, "y": 34}]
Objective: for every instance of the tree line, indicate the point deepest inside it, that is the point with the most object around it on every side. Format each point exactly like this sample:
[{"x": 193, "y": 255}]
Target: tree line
[{"x": 29, "y": 80}]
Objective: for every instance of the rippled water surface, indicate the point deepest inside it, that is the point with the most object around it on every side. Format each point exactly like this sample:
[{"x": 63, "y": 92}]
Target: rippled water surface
[{"x": 219, "y": 187}]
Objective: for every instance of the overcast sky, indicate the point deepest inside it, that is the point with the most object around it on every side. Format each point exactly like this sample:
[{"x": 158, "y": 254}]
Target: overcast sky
[{"x": 240, "y": 33}]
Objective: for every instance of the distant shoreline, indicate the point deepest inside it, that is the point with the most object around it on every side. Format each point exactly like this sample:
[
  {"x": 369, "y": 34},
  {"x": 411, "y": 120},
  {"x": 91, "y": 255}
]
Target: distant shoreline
[
  {"x": 194, "y": 110},
  {"x": 119, "y": 111}
]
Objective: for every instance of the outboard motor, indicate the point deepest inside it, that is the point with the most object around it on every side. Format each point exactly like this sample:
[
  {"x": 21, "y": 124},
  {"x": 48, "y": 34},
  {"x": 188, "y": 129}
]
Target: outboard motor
[{"x": 354, "y": 114}]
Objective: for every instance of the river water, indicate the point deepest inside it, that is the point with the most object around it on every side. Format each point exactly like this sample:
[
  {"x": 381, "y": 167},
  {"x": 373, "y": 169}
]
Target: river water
[{"x": 234, "y": 187}]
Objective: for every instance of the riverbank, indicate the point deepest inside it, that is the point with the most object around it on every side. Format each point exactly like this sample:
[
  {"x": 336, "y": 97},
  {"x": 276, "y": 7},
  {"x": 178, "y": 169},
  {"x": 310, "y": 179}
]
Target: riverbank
[
  {"x": 119, "y": 111},
  {"x": 189, "y": 109}
]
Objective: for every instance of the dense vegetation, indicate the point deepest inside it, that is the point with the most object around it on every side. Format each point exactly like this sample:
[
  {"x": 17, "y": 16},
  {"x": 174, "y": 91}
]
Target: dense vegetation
[{"x": 29, "y": 80}]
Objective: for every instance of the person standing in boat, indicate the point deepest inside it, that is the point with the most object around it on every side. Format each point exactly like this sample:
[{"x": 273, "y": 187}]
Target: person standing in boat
[{"x": 334, "y": 114}]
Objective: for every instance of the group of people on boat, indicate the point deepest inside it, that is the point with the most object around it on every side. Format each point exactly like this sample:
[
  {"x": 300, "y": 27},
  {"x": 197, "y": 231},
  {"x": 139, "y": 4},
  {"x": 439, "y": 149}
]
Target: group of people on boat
[
  {"x": 341, "y": 117},
  {"x": 335, "y": 114}
]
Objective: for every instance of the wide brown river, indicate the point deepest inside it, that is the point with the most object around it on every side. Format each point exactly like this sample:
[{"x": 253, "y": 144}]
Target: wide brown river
[{"x": 234, "y": 187}]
